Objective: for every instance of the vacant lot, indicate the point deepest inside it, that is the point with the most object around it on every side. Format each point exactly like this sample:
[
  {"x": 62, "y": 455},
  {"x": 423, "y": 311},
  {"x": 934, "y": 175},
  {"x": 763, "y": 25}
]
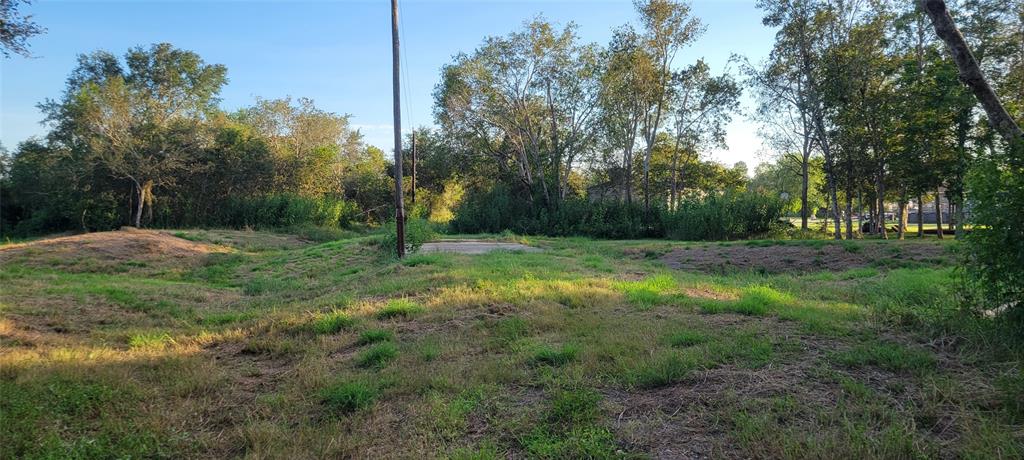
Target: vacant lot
[{"x": 232, "y": 344}]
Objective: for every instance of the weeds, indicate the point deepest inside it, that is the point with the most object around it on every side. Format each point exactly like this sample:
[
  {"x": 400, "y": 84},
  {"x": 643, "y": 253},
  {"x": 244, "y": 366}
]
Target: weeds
[
  {"x": 348, "y": 397},
  {"x": 377, "y": 356},
  {"x": 332, "y": 322},
  {"x": 399, "y": 308}
]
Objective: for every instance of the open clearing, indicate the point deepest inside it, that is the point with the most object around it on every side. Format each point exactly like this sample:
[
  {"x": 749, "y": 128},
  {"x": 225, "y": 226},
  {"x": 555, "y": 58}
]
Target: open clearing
[{"x": 244, "y": 344}]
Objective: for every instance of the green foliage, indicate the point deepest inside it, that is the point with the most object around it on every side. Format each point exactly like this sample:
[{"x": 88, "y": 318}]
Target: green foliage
[
  {"x": 662, "y": 369},
  {"x": 348, "y": 397},
  {"x": 417, "y": 232},
  {"x": 151, "y": 341},
  {"x": 332, "y": 322},
  {"x": 729, "y": 216},
  {"x": 399, "y": 308},
  {"x": 724, "y": 217},
  {"x": 284, "y": 210},
  {"x": 552, "y": 356},
  {"x": 648, "y": 292},
  {"x": 686, "y": 338},
  {"x": 374, "y": 336},
  {"x": 378, "y": 355},
  {"x": 889, "y": 356},
  {"x": 996, "y": 244}
]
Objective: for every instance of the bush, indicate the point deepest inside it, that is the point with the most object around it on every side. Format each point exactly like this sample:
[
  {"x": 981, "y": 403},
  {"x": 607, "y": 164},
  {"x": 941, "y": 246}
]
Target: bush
[
  {"x": 417, "y": 232},
  {"x": 724, "y": 217},
  {"x": 995, "y": 266},
  {"x": 716, "y": 217},
  {"x": 284, "y": 210}
]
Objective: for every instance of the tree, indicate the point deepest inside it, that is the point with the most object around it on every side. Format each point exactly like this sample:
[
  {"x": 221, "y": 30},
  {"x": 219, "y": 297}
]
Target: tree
[
  {"x": 140, "y": 123},
  {"x": 970, "y": 72},
  {"x": 668, "y": 26},
  {"x": 702, "y": 107},
  {"x": 16, "y": 29},
  {"x": 311, "y": 147},
  {"x": 528, "y": 101}
]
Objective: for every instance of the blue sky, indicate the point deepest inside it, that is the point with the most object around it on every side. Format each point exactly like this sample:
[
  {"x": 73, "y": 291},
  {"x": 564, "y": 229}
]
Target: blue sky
[{"x": 336, "y": 52}]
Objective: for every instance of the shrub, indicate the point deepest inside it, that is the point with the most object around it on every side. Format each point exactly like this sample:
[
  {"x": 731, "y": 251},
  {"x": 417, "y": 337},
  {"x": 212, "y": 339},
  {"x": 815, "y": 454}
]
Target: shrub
[
  {"x": 729, "y": 216},
  {"x": 284, "y": 210},
  {"x": 347, "y": 397},
  {"x": 995, "y": 266},
  {"x": 417, "y": 232}
]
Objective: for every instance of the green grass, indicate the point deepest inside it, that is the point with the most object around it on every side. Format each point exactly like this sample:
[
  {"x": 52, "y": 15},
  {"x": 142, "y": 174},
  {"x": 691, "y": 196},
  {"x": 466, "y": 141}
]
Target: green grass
[
  {"x": 590, "y": 349},
  {"x": 374, "y": 336},
  {"x": 332, "y": 322},
  {"x": 889, "y": 356},
  {"x": 399, "y": 308},
  {"x": 348, "y": 397},
  {"x": 555, "y": 356},
  {"x": 377, "y": 356}
]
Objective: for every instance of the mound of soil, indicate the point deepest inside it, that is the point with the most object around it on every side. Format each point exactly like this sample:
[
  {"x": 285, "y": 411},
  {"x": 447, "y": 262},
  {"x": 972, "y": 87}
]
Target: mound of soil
[
  {"x": 107, "y": 249},
  {"x": 802, "y": 258}
]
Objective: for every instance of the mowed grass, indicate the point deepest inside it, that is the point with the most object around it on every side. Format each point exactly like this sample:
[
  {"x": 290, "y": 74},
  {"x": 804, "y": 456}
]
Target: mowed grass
[{"x": 590, "y": 349}]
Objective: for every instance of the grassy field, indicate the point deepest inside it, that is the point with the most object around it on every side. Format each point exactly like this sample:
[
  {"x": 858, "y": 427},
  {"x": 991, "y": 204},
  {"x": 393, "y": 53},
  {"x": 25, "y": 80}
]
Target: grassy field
[{"x": 242, "y": 344}]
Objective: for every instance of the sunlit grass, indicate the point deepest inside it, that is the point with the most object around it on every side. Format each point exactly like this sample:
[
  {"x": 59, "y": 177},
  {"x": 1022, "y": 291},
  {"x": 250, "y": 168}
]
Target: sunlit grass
[{"x": 531, "y": 354}]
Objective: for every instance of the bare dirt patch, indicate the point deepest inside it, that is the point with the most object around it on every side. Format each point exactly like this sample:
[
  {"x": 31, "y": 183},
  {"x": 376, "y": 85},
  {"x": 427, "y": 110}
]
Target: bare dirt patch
[
  {"x": 800, "y": 258},
  {"x": 475, "y": 247},
  {"x": 102, "y": 251}
]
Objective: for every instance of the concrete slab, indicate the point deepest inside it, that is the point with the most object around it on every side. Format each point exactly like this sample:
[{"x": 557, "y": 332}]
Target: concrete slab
[{"x": 474, "y": 247}]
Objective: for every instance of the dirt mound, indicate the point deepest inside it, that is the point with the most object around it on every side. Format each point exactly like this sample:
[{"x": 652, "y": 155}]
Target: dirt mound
[
  {"x": 95, "y": 251},
  {"x": 802, "y": 258}
]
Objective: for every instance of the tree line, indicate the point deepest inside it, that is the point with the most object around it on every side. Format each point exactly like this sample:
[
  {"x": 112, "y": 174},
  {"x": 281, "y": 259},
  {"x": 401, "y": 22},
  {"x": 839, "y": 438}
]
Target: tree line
[{"x": 141, "y": 141}]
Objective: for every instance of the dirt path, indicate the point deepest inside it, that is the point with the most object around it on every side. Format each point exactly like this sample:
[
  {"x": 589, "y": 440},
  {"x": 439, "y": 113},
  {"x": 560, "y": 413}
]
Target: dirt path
[{"x": 474, "y": 247}]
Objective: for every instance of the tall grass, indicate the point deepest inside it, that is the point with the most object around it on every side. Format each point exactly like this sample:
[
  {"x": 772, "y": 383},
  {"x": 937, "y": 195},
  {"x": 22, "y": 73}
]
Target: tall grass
[{"x": 714, "y": 217}]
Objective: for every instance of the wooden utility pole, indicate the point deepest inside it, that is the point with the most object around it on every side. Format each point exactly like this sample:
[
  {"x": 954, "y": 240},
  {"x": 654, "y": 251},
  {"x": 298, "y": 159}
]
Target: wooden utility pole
[
  {"x": 399, "y": 205},
  {"x": 412, "y": 191}
]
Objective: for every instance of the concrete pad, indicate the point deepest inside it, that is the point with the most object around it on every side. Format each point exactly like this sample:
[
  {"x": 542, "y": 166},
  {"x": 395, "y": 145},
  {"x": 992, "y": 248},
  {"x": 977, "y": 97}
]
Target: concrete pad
[{"x": 474, "y": 247}]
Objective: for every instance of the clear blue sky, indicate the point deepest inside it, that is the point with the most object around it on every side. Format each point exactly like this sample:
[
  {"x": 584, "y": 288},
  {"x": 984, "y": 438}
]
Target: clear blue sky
[{"x": 335, "y": 52}]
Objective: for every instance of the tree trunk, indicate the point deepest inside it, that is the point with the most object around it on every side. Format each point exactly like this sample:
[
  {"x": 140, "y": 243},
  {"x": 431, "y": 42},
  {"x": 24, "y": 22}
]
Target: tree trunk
[
  {"x": 970, "y": 71},
  {"x": 836, "y": 213},
  {"x": 675, "y": 177},
  {"x": 903, "y": 215},
  {"x": 872, "y": 218},
  {"x": 849, "y": 216},
  {"x": 960, "y": 219},
  {"x": 938, "y": 213},
  {"x": 804, "y": 171},
  {"x": 139, "y": 202},
  {"x": 881, "y": 208},
  {"x": 920, "y": 216},
  {"x": 952, "y": 220}
]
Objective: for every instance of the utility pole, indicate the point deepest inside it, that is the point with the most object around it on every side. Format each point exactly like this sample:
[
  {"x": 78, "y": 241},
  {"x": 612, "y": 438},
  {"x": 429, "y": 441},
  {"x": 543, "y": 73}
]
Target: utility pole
[
  {"x": 413, "y": 190},
  {"x": 399, "y": 205}
]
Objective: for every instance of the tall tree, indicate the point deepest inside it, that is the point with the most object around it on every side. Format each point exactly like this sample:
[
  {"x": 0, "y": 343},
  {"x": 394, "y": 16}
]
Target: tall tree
[
  {"x": 529, "y": 101},
  {"x": 668, "y": 26},
  {"x": 138, "y": 123},
  {"x": 702, "y": 106},
  {"x": 16, "y": 28}
]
